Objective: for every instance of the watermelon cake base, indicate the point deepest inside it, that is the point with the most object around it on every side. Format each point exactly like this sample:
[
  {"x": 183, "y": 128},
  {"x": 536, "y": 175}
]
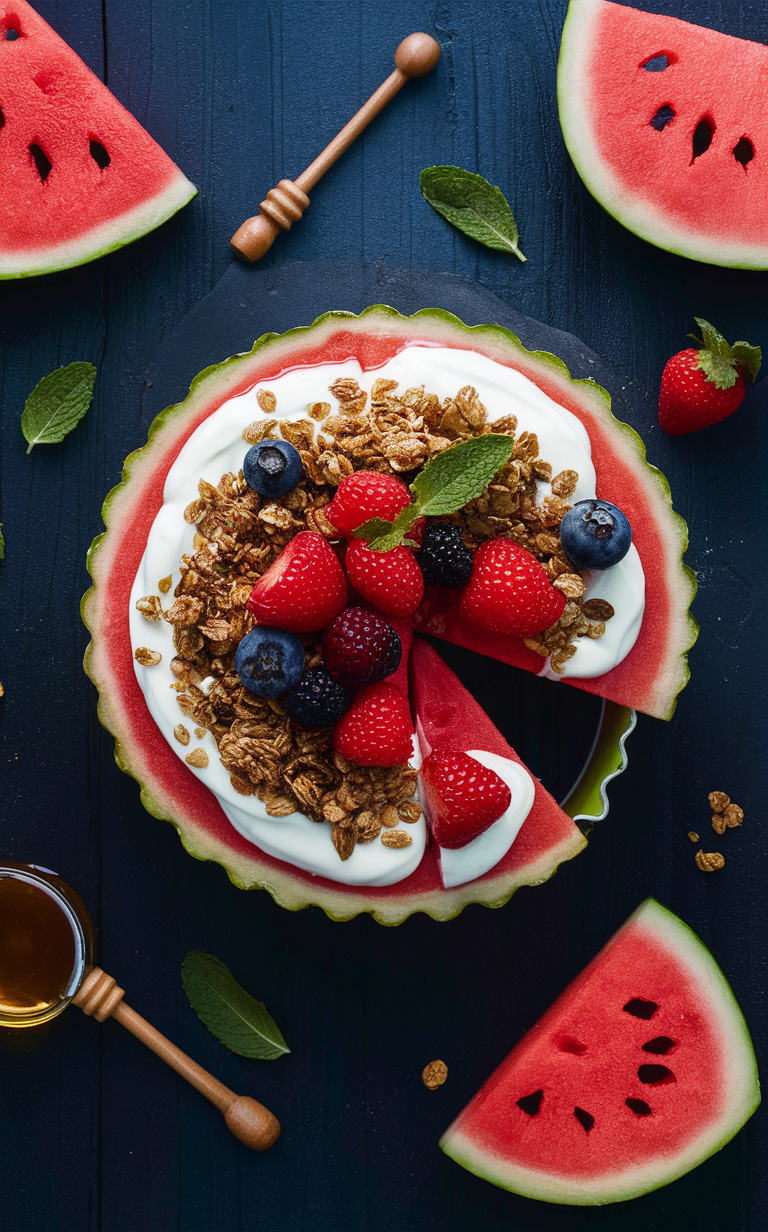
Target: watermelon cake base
[{"x": 170, "y": 791}]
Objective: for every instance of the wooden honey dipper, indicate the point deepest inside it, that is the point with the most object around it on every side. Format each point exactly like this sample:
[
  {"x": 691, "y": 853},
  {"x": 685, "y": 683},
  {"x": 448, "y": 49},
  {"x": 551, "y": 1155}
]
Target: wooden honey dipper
[
  {"x": 250, "y": 1121},
  {"x": 416, "y": 56}
]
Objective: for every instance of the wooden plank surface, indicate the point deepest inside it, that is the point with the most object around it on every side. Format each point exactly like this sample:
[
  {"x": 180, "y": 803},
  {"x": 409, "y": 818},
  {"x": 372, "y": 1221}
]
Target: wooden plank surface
[{"x": 96, "y": 1136}]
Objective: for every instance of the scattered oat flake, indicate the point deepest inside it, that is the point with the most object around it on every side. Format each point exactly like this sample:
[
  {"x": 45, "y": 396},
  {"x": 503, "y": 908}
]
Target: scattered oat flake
[
  {"x": 197, "y": 758},
  {"x": 598, "y": 609},
  {"x": 147, "y": 658},
  {"x": 181, "y": 733},
  {"x": 267, "y": 401},
  {"x": 733, "y": 815},
  {"x": 164, "y": 585},
  {"x": 718, "y": 800},
  {"x": 718, "y": 823},
  {"x": 396, "y": 838},
  {"x": 200, "y": 732},
  {"x": 709, "y": 861},
  {"x": 693, "y": 836},
  {"x": 434, "y": 1075},
  {"x": 2, "y": 691}
]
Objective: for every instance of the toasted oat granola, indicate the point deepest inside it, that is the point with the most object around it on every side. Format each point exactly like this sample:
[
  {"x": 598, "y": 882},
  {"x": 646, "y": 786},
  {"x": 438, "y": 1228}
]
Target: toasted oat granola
[{"x": 238, "y": 536}]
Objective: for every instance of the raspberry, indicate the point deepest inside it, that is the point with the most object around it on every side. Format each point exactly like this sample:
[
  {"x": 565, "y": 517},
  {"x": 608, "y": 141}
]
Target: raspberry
[
  {"x": 463, "y": 797},
  {"x": 377, "y": 728},
  {"x": 318, "y": 700},
  {"x": 364, "y": 495},
  {"x": 509, "y": 591},
  {"x": 303, "y": 589},
  {"x": 360, "y": 648},
  {"x": 391, "y": 581},
  {"x": 444, "y": 559}
]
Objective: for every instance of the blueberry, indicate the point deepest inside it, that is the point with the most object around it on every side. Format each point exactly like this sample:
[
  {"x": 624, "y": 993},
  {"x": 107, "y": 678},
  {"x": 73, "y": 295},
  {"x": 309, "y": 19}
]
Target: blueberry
[
  {"x": 318, "y": 700},
  {"x": 595, "y": 534},
  {"x": 444, "y": 559},
  {"x": 269, "y": 661},
  {"x": 272, "y": 468}
]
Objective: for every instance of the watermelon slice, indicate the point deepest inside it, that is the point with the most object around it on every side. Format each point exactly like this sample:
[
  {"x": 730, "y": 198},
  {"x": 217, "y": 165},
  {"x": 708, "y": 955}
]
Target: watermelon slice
[
  {"x": 640, "y": 1070},
  {"x": 666, "y": 125},
  {"x": 80, "y": 175},
  {"x": 652, "y": 674}
]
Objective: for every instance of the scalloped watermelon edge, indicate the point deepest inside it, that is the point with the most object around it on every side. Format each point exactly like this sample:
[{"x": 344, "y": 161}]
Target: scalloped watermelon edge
[
  {"x": 741, "y": 1097},
  {"x": 577, "y": 50},
  {"x": 104, "y": 238},
  {"x": 245, "y": 865}
]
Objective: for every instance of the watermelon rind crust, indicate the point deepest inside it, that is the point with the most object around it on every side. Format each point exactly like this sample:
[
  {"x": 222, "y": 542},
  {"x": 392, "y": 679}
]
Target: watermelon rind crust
[
  {"x": 248, "y": 869},
  {"x": 741, "y": 1093},
  {"x": 587, "y": 801},
  {"x": 104, "y": 238},
  {"x": 578, "y": 49}
]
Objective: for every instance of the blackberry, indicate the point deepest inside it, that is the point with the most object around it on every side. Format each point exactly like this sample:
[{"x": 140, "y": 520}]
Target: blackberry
[
  {"x": 444, "y": 558},
  {"x": 360, "y": 648},
  {"x": 318, "y": 700}
]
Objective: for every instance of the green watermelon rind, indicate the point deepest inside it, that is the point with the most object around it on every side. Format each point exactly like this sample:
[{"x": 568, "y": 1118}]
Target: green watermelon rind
[
  {"x": 212, "y": 386},
  {"x": 740, "y": 1099},
  {"x": 587, "y": 801},
  {"x": 577, "y": 50},
  {"x": 106, "y": 237}
]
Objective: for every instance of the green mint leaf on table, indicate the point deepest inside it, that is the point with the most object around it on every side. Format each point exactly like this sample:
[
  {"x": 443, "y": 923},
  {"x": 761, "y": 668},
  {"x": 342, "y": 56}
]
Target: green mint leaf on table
[
  {"x": 473, "y": 205},
  {"x": 719, "y": 361},
  {"x": 230, "y": 1013},
  {"x": 57, "y": 404},
  {"x": 456, "y": 476}
]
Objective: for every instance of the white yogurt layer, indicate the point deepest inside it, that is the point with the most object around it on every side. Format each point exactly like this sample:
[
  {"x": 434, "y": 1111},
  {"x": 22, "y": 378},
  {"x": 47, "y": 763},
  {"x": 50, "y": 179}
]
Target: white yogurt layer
[
  {"x": 217, "y": 446},
  {"x": 461, "y": 864}
]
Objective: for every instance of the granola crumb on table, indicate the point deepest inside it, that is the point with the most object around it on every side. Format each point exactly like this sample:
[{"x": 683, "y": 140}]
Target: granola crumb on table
[
  {"x": 238, "y": 536},
  {"x": 434, "y": 1075}
]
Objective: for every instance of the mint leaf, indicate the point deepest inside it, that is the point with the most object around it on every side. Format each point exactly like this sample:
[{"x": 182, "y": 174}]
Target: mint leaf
[
  {"x": 469, "y": 202},
  {"x": 446, "y": 484},
  {"x": 230, "y": 1013},
  {"x": 57, "y": 404}
]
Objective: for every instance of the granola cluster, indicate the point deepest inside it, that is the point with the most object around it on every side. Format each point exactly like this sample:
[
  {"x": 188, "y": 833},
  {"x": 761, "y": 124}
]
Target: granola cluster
[{"x": 240, "y": 533}]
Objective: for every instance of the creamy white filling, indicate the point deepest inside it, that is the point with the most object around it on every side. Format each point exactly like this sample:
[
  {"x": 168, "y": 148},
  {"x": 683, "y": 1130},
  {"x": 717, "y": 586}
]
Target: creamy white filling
[
  {"x": 217, "y": 446},
  {"x": 461, "y": 864}
]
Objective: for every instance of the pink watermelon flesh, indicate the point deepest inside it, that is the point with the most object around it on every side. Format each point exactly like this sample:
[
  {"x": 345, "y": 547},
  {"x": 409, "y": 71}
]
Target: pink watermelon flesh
[
  {"x": 652, "y": 675},
  {"x": 677, "y": 154},
  {"x": 81, "y": 176},
  {"x": 641, "y": 1069},
  {"x": 447, "y": 715}
]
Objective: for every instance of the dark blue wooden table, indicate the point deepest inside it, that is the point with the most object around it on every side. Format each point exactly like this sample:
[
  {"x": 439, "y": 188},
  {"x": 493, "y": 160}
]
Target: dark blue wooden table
[{"x": 95, "y": 1134}]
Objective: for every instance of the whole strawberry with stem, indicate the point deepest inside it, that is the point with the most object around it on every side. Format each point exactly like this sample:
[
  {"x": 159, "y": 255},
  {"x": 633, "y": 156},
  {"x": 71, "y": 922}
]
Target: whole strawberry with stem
[{"x": 704, "y": 384}]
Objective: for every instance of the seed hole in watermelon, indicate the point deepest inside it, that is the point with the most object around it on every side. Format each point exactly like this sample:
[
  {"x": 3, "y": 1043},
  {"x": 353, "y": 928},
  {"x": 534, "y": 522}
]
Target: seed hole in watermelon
[
  {"x": 661, "y": 1045},
  {"x": 662, "y": 117},
  {"x": 99, "y": 154},
  {"x": 11, "y": 35},
  {"x": 42, "y": 163},
  {"x": 641, "y": 1009},
  {"x": 702, "y": 137},
  {"x": 584, "y": 1118},
  {"x": 638, "y": 1106},
  {"x": 657, "y": 63},
  {"x": 651, "y": 1075},
  {"x": 531, "y": 1103},
  {"x": 567, "y": 1043},
  {"x": 44, "y": 83},
  {"x": 744, "y": 151},
  {"x": 2, "y": 118}
]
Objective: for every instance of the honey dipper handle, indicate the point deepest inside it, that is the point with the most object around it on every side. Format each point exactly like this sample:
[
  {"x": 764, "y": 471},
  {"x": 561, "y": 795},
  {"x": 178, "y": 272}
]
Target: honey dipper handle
[{"x": 248, "y": 1120}]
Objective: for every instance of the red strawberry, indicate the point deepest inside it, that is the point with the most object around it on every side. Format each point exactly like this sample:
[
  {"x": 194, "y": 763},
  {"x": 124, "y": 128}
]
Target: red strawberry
[
  {"x": 463, "y": 797},
  {"x": 509, "y": 591},
  {"x": 391, "y": 581},
  {"x": 377, "y": 729},
  {"x": 303, "y": 589},
  {"x": 702, "y": 386},
  {"x": 364, "y": 495}
]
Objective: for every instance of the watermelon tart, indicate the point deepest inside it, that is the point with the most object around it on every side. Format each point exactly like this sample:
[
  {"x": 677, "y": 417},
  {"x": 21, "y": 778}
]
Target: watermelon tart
[{"x": 273, "y": 549}]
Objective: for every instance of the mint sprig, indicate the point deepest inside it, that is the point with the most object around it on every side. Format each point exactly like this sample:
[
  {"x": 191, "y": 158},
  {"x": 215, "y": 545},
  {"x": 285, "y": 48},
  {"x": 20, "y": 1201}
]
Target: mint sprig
[
  {"x": 57, "y": 404},
  {"x": 720, "y": 362},
  {"x": 458, "y": 475},
  {"x": 469, "y": 202},
  {"x": 230, "y": 1013}
]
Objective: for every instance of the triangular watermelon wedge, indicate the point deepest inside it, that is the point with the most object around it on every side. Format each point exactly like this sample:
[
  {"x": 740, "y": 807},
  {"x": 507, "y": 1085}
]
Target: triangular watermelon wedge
[
  {"x": 447, "y": 716},
  {"x": 81, "y": 177},
  {"x": 638, "y": 1072}
]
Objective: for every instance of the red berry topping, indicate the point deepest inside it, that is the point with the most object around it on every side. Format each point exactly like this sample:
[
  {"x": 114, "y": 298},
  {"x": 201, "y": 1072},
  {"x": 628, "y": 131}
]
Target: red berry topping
[
  {"x": 364, "y": 495},
  {"x": 377, "y": 728},
  {"x": 391, "y": 581},
  {"x": 303, "y": 589},
  {"x": 701, "y": 386},
  {"x": 509, "y": 591},
  {"x": 462, "y": 796},
  {"x": 360, "y": 648}
]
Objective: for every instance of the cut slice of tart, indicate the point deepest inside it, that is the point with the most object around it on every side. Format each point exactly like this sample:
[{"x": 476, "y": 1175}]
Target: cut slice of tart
[{"x": 533, "y": 834}]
